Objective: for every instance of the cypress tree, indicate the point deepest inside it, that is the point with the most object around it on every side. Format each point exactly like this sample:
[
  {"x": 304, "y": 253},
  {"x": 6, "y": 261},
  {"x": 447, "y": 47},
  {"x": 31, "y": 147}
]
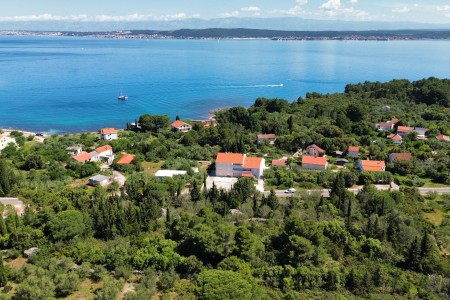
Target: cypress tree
[
  {"x": 414, "y": 258},
  {"x": 3, "y": 229},
  {"x": 3, "y": 274}
]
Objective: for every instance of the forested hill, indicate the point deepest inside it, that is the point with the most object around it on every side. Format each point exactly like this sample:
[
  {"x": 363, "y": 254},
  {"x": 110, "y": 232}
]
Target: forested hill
[{"x": 185, "y": 237}]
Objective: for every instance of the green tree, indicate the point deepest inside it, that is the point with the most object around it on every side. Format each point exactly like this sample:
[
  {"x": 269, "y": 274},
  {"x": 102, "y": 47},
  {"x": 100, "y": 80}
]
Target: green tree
[
  {"x": 222, "y": 285},
  {"x": 154, "y": 123},
  {"x": 35, "y": 288},
  {"x": 66, "y": 225}
]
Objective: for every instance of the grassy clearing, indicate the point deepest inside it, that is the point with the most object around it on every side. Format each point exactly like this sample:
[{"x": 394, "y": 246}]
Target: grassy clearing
[
  {"x": 434, "y": 217},
  {"x": 85, "y": 290},
  {"x": 151, "y": 167}
]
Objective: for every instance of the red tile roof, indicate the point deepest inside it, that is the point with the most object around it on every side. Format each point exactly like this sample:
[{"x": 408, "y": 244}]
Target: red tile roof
[
  {"x": 252, "y": 162},
  {"x": 247, "y": 174},
  {"x": 103, "y": 148},
  {"x": 395, "y": 137},
  {"x": 353, "y": 149},
  {"x": 177, "y": 124},
  {"x": 404, "y": 129},
  {"x": 317, "y": 148},
  {"x": 442, "y": 137},
  {"x": 230, "y": 158},
  {"x": 373, "y": 165},
  {"x": 126, "y": 159},
  {"x": 311, "y": 160},
  {"x": 385, "y": 124},
  {"x": 267, "y": 136},
  {"x": 108, "y": 130},
  {"x": 82, "y": 157},
  {"x": 401, "y": 156},
  {"x": 279, "y": 162}
]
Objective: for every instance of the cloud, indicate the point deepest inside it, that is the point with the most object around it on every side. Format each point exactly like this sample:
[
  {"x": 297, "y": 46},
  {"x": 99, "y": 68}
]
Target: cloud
[
  {"x": 401, "y": 9},
  {"x": 331, "y": 5},
  {"x": 443, "y": 8},
  {"x": 302, "y": 2},
  {"x": 256, "y": 11},
  {"x": 230, "y": 14},
  {"x": 353, "y": 1},
  {"x": 293, "y": 11},
  {"x": 99, "y": 18},
  {"x": 251, "y": 9}
]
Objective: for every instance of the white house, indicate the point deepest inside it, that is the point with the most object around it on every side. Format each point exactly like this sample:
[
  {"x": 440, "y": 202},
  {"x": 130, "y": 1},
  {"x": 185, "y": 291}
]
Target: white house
[
  {"x": 181, "y": 126},
  {"x": 314, "y": 163},
  {"x": 239, "y": 165},
  {"x": 271, "y": 138},
  {"x": 387, "y": 126},
  {"x": 74, "y": 150},
  {"x": 315, "y": 150},
  {"x": 372, "y": 165},
  {"x": 105, "y": 153},
  {"x": 397, "y": 139},
  {"x": 5, "y": 140},
  {"x": 99, "y": 180},
  {"x": 109, "y": 134}
]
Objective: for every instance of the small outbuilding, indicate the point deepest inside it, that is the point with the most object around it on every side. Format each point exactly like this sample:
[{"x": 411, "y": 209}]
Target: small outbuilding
[{"x": 99, "y": 180}]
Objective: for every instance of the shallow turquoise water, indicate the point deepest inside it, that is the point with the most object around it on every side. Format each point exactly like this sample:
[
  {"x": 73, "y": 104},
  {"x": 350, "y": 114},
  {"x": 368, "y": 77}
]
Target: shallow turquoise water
[{"x": 71, "y": 84}]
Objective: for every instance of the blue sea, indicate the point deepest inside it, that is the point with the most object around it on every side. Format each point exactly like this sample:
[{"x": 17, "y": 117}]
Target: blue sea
[{"x": 62, "y": 84}]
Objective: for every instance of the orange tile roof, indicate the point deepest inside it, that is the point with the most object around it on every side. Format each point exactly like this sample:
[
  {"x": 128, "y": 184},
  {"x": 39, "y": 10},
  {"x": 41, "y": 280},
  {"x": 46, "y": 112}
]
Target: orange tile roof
[
  {"x": 385, "y": 124},
  {"x": 311, "y": 160},
  {"x": 230, "y": 158},
  {"x": 279, "y": 162},
  {"x": 403, "y": 129},
  {"x": 373, "y": 165},
  {"x": 82, "y": 157},
  {"x": 353, "y": 149},
  {"x": 126, "y": 159},
  {"x": 440, "y": 137},
  {"x": 108, "y": 130},
  {"x": 178, "y": 124},
  {"x": 395, "y": 137},
  {"x": 252, "y": 162},
  {"x": 247, "y": 174},
  {"x": 401, "y": 156},
  {"x": 103, "y": 148}
]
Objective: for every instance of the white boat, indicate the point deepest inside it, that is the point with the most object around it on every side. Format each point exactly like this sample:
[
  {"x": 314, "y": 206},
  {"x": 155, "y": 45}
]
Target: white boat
[{"x": 122, "y": 97}]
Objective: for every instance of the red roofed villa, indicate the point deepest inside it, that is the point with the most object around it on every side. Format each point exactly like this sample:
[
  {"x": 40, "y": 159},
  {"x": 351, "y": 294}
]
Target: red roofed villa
[
  {"x": 239, "y": 165},
  {"x": 314, "y": 163},
  {"x": 353, "y": 151},
  {"x": 403, "y": 130},
  {"x": 82, "y": 157},
  {"x": 279, "y": 162},
  {"x": 181, "y": 126},
  {"x": 126, "y": 159},
  {"x": 109, "y": 134},
  {"x": 372, "y": 166},
  {"x": 396, "y": 138}
]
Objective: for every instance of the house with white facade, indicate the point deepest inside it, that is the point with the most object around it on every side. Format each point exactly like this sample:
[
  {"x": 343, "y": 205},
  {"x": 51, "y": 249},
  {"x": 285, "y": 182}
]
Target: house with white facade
[
  {"x": 270, "y": 138},
  {"x": 314, "y": 150},
  {"x": 103, "y": 153},
  {"x": 99, "y": 180},
  {"x": 239, "y": 165},
  {"x": 181, "y": 126},
  {"x": 314, "y": 163},
  {"x": 74, "y": 150},
  {"x": 109, "y": 134},
  {"x": 388, "y": 125},
  {"x": 397, "y": 139},
  {"x": 372, "y": 166},
  {"x": 5, "y": 140}
]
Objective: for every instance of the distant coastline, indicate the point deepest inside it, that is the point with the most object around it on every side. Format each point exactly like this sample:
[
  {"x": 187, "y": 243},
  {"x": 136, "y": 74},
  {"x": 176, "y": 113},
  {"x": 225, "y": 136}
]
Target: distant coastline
[{"x": 243, "y": 33}]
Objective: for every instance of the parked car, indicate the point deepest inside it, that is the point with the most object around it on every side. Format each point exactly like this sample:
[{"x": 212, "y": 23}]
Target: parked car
[{"x": 290, "y": 191}]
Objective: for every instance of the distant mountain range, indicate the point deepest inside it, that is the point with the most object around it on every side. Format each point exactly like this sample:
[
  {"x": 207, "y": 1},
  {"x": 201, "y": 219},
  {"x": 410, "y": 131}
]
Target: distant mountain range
[{"x": 289, "y": 23}]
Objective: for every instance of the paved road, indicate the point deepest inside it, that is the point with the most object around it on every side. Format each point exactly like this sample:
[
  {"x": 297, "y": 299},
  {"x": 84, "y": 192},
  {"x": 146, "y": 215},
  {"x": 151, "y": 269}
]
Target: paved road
[{"x": 326, "y": 192}]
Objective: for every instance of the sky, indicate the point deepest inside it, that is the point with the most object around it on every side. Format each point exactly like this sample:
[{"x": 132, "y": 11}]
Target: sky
[{"x": 419, "y": 11}]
